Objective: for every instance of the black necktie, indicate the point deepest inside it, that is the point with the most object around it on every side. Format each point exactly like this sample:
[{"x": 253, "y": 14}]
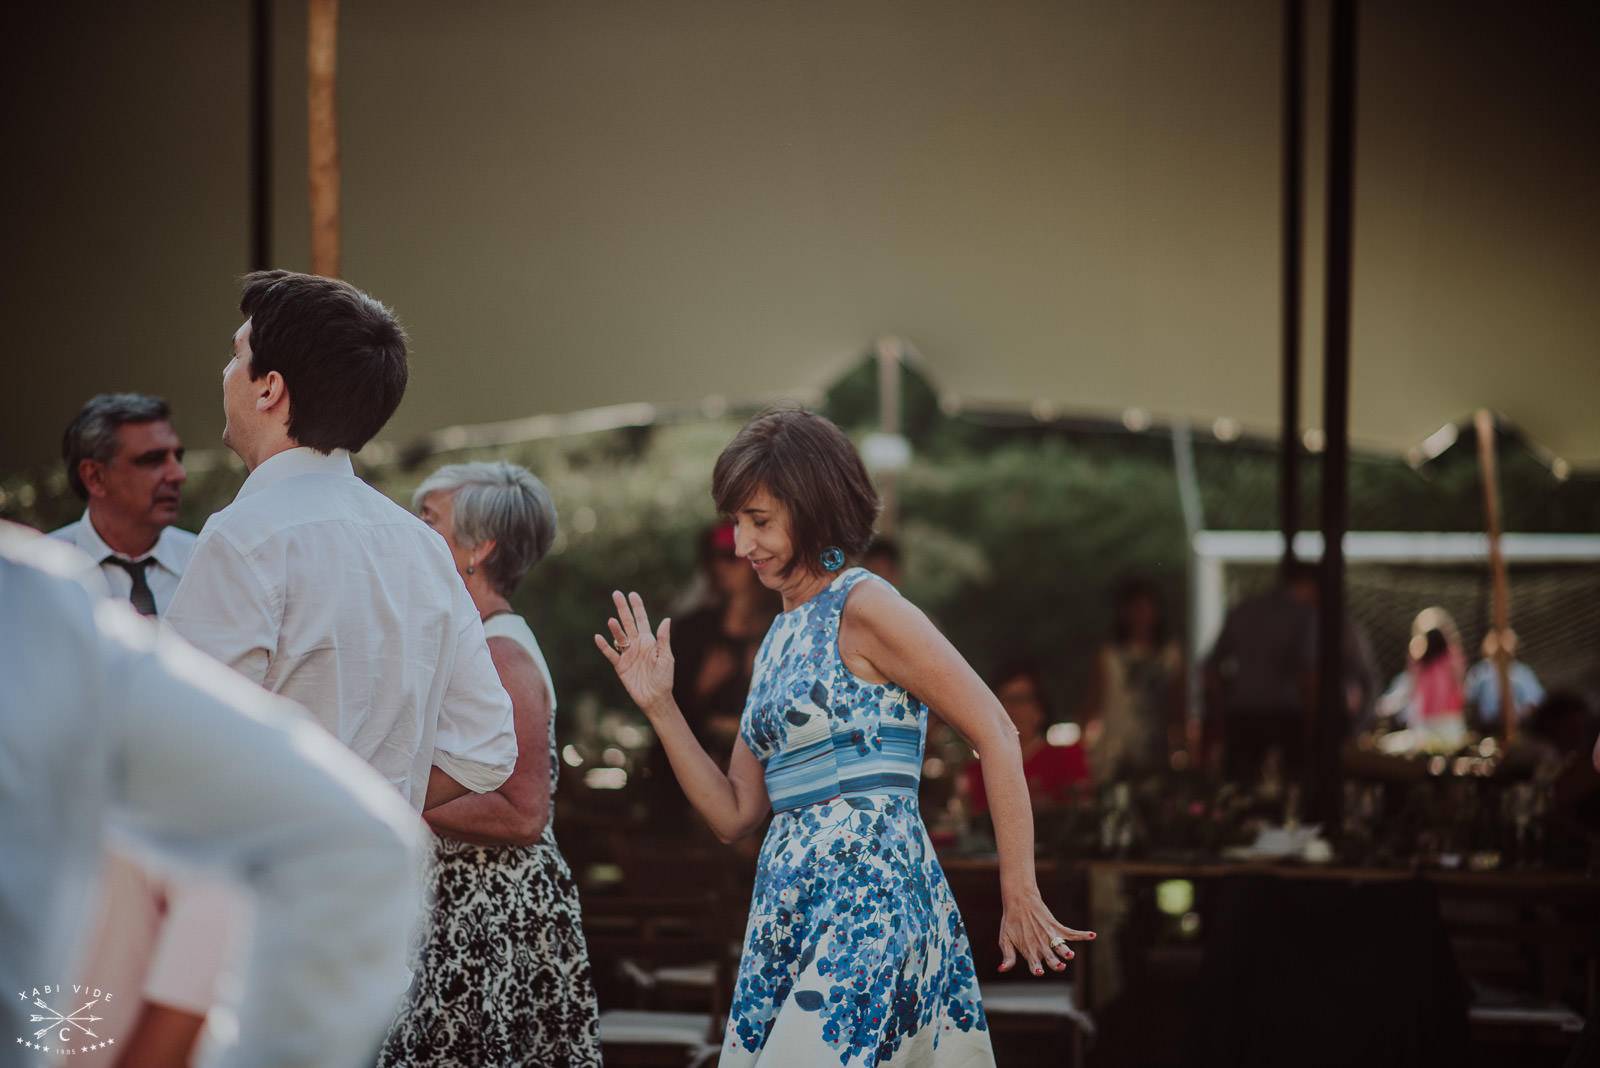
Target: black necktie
[{"x": 144, "y": 602}]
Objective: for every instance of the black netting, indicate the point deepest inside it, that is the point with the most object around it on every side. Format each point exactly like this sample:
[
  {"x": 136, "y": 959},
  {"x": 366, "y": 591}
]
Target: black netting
[{"x": 1555, "y": 612}]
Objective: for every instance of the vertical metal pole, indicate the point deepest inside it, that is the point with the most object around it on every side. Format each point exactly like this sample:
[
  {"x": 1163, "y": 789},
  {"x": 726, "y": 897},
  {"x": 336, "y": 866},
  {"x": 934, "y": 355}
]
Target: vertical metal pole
[
  {"x": 260, "y": 134},
  {"x": 1293, "y": 212},
  {"x": 322, "y": 105},
  {"x": 1501, "y": 584},
  {"x": 1328, "y": 728},
  {"x": 889, "y": 355}
]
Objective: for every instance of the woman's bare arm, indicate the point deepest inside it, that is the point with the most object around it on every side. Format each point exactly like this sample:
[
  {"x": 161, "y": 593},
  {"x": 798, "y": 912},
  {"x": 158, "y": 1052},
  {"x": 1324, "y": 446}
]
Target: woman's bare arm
[
  {"x": 733, "y": 804},
  {"x": 883, "y": 637},
  {"x": 516, "y": 813}
]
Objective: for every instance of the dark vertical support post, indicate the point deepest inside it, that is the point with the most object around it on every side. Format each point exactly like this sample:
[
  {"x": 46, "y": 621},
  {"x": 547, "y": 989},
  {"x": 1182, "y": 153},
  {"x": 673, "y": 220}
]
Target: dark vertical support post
[
  {"x": 260, "y": 134},
  {"x": 1293, "y": 210},
  {"x": 1328, "y": 728}
]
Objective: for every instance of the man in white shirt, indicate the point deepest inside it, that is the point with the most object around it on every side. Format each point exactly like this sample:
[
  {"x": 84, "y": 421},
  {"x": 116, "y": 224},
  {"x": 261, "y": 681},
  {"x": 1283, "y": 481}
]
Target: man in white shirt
[
  {"x": 317, "y": 586},
  {"x": 108, "y": 717},
  {"x": 125, "y": 460}
]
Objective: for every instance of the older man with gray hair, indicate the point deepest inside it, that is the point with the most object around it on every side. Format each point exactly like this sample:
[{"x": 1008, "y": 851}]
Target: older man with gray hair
[{"x": 125, "y": 461}]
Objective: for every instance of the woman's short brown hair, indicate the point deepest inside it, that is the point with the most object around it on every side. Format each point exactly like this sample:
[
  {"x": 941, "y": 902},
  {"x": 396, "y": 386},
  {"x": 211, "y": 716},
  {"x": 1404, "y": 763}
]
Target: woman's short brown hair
[{"x": 808, "y": 464}]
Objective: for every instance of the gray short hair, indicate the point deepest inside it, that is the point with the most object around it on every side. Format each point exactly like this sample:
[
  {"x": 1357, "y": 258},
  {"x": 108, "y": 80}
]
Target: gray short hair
[
  {"x": 92, "y": 434},
  {"x": 497, "y": 502}
]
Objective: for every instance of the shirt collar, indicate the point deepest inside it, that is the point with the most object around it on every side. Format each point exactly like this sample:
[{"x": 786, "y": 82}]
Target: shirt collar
[
  {"x": 302, "y": 460},
  {"x": 90, "y": 541}
]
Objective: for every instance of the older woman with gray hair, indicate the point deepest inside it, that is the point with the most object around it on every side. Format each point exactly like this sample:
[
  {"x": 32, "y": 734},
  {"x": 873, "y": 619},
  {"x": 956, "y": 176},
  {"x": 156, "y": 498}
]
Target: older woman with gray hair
[{"x": 504, "y": 977}]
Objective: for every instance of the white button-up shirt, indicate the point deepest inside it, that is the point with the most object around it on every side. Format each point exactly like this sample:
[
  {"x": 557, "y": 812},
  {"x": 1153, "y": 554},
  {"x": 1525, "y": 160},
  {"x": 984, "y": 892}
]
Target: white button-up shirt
[
  {"x": 320, "y": 588},
  {"x": 170, "y": 553},
  {"x": 101, "y": 712}
]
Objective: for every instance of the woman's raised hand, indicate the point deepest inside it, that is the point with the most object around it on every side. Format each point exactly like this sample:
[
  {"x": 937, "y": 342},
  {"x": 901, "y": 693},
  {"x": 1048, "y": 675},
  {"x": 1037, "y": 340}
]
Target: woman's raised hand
[{"x": 643, "y": 660}]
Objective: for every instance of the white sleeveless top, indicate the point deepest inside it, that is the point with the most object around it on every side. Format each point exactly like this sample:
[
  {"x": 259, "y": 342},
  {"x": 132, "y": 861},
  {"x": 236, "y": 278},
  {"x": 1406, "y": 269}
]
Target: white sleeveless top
[{"x": 509, "y": 625}]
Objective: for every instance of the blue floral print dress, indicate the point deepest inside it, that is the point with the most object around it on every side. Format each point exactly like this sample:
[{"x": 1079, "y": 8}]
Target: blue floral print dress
[{"x": 854, "y": 954}]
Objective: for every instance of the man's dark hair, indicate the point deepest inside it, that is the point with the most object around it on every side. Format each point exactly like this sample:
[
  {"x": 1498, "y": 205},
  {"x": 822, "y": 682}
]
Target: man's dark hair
[
  {"x": 807, "y": 463},
  {"x": 341, "y": 354},
  {"x": 92, "y": 434}
]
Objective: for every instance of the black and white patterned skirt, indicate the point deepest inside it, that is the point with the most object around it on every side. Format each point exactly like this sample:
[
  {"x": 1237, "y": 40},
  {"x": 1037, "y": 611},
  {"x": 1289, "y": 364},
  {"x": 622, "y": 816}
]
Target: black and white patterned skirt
[{"x": 503, "y": 976}]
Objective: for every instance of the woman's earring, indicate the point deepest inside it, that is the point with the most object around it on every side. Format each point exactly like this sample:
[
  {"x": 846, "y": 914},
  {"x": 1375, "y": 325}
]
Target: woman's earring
[
  {"x": 832, "y": 558},
  {"x": 471, "y": 569}
]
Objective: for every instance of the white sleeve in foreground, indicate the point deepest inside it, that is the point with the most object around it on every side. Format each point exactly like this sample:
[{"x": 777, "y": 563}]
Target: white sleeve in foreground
[{"x": 218, "y": 772}]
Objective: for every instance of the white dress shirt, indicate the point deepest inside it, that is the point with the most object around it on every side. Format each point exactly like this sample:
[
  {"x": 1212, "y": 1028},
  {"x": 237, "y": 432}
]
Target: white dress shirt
[
  {"x": 102, "y": 713},
  {"x": 170, "y": 553},
  {"x": 320, "y": 588}
]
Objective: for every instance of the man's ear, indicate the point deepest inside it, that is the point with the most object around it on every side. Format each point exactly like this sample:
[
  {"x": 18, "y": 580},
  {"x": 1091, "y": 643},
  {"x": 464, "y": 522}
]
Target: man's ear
[
  {"x": 271, "y": 391},
  {"x": 93, "y": 474}
]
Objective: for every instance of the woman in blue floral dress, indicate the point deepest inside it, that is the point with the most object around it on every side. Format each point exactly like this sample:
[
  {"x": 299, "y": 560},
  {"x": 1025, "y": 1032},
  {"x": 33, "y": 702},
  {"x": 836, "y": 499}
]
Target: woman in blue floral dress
[{"x": 854, "y": 953}]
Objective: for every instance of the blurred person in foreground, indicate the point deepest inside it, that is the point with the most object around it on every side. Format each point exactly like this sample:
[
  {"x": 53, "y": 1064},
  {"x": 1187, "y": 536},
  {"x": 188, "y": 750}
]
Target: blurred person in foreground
[
  {"x": 499, "y": 881},
  {"x": 103, "y": 718},
  {"x": 1134, "y": 714},
  {"x": 125, "y": 462},
  {"x": 848, "y": 889},
  {"x": 316, "y": 586},
  {"x": 1056, "y": 774}
]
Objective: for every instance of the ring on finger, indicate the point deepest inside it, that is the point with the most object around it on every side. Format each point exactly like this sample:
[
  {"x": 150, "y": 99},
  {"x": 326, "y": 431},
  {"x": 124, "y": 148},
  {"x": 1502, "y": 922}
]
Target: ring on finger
[
  {"x": 1057, "y": 941},
  {"x": 621, "y": 644}
]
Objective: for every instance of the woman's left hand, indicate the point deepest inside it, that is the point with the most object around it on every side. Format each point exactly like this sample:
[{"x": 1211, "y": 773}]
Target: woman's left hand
[{"x": 1028, "y": 928}]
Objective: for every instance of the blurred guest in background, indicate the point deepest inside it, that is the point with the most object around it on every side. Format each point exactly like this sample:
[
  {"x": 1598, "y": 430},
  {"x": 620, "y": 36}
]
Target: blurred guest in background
[
  {"x": 504, "y": 977},
  {"x": 1482, "y": 686},
  {"x": 1428, "y": 697},
  {"x": 882, "y": 558},
  {"x": 715, "y": 639},
  {"x": 1260, "y": 677},
  {"x": 115, "y": 722},
  {"x": 715, "y": 643},
  {"x": 125, "y": 460},
  {"x": 1134, "y": 715},
  {"x": 1056, "y": 774}
]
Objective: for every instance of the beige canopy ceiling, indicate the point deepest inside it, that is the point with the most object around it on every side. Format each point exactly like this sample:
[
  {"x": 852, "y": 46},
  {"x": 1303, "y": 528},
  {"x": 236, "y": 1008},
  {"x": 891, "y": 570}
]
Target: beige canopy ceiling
[{"x": 1073, "y": 204}]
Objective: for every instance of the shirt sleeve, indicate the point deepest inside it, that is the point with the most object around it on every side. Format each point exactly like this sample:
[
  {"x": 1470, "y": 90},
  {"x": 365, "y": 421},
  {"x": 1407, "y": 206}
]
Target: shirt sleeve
[
  {"x": 217, "y": 773},
  {"x": 224, "y": 608},
  {"x": 476, "y": 740},
  {"x": 198, "y": 935}
]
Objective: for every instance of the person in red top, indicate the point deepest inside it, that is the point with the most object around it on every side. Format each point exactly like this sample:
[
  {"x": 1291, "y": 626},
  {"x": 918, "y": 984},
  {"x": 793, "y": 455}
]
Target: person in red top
[{"x": 1054, "y": 772}]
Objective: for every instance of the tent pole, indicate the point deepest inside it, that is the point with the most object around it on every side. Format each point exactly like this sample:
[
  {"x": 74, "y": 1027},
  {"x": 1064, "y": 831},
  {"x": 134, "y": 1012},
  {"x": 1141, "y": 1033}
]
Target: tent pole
[
  {"x": 889, "y": 357},
  {"x": 322, "y": 75},
  {"x": 260, "y": 134},
  {"x": 1328, "y": 722},
  {"x": 1501, "y": 586},
  {"x": 1293, "y": 210}
]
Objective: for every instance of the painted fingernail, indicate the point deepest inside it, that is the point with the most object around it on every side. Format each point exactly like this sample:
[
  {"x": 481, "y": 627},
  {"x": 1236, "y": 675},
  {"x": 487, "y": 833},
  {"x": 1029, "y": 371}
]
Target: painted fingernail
[{"x": 1038, "y": 971}]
